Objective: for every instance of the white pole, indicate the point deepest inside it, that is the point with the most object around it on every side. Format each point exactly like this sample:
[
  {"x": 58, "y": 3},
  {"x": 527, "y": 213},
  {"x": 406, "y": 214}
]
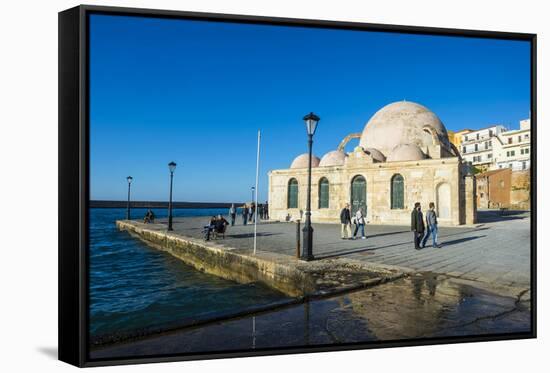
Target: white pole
[{"x": 256, "y": 192}]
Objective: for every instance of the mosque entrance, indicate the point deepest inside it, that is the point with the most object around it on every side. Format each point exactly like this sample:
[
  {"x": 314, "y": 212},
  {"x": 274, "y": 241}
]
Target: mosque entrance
[
  {"x": 444, "y": 201},
  {"x": 358, "y": 194}
]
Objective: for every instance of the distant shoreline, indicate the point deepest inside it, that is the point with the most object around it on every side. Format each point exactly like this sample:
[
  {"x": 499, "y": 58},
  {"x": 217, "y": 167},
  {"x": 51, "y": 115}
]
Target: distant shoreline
[{"x": 160, "y": 204}]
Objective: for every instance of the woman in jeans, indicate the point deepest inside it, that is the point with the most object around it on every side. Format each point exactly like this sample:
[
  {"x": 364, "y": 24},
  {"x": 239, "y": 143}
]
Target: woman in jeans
[{"x": 359, "y": 223}]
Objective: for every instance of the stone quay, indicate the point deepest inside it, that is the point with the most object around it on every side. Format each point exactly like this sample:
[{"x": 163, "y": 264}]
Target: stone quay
[
  {"x": 284, "y": 273},
  {"x": 492, "y": 255}
]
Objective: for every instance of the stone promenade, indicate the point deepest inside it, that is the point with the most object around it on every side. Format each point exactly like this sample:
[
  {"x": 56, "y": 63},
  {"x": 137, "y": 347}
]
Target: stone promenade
[{"x": 495, "y": 252}]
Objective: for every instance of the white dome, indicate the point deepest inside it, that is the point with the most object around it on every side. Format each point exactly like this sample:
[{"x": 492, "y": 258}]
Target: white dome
[
  {"x": 403, "y": 122},
  {"x": 406, "y": 152},
  {"x": 376, "y": 154},
  {"x": 333, "y": 158},
  {"x": 301, "y": 161}
]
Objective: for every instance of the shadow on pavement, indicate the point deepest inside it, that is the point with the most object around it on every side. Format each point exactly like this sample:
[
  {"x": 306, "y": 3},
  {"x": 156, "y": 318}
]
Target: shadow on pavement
[
  {"x": 492, "y": 216},
  {"x": 459, "y": 240},
  {"x": 364, "y": 249},
  {"x": 250, "y": 235}
]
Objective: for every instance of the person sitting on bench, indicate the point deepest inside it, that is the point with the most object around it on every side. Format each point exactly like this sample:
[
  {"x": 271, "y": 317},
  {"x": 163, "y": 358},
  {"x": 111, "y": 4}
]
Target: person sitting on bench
[
  {"x": 149, "y": 216},
  {"x": 220, "y": 225},
  {"x": 209, "y": 228}
]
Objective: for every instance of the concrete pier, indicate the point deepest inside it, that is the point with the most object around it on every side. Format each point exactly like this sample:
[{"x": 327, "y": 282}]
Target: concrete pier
[{"x": 281, "y": 272}]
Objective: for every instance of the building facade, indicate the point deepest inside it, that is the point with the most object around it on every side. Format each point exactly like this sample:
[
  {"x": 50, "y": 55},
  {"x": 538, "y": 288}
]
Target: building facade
[
  {"x": 515, "y": 148},
  {"x": 493, "y": 188},
  {"x": 455, "y": 137},
  {"x": 479, "y": 147},
  {"x": 404, "y": 156},
  {"x": 496, "y": 147}
]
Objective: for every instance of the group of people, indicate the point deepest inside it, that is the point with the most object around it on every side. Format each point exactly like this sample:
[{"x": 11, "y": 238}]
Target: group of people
[
  {"x": 358, "y": 220},
  {"x": 248, "y": 212},
  {"x": 217, "y": 224},
  {"x": 422, "y": 227}
]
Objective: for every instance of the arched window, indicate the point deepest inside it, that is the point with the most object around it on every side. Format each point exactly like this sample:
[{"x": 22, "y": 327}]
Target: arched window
[
  {"x": 323, "y": 193},
  {"x": 292, "y": 200},
  {"x": 397, "y": 192},
  {"x": 358, "y": 194}
]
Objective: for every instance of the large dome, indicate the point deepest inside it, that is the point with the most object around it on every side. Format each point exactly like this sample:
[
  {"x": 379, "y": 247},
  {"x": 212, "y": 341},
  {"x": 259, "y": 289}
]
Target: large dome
[
  {"x": 403, "y": 122},
  {"x": 333, "y": 158},
  {"x": 301, "y": 161}
]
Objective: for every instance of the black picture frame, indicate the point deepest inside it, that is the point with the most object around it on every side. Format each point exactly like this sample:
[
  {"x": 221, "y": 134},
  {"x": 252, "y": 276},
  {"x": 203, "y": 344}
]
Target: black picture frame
[{"x": 74, "y": 179}]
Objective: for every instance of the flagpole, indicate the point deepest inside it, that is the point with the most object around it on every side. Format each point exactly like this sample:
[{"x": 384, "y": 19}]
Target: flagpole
[{"x": 256, "y": 192}]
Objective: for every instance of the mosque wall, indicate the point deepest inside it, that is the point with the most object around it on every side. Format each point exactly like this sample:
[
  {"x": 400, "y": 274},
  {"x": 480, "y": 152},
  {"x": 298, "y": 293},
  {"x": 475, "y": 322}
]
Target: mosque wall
[{"x": 425, "y": 181}]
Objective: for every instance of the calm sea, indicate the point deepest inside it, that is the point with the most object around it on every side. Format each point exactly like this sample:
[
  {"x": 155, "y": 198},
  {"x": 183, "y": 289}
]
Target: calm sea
[{"x": 135, "y": 287}]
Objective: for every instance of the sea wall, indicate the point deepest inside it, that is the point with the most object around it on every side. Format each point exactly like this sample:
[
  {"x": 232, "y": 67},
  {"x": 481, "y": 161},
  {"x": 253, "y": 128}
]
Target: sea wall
[
  {"x": 284, "y": 273},
  {"x": 270, "y": 269}
]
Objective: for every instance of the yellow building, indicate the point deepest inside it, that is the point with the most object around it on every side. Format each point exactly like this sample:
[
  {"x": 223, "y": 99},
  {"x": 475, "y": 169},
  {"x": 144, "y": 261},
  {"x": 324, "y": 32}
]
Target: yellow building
[{"x": 455, "y": 137}]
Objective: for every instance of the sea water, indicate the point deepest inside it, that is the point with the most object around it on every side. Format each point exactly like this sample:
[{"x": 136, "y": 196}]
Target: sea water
[{"x": 135, "y": 287}]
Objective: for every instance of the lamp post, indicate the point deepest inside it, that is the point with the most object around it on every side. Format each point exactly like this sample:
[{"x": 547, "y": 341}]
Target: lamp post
[
  {"x": 129, "y": 179},
  {"x": 311, "y": 120},
  {"x": 171, "y": 167},
  {"x": 252, "y": 190}
]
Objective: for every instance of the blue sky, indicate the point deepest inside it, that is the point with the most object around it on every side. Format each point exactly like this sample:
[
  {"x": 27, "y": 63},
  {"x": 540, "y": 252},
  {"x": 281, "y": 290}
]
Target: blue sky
[{"x": 197, "y": 93}]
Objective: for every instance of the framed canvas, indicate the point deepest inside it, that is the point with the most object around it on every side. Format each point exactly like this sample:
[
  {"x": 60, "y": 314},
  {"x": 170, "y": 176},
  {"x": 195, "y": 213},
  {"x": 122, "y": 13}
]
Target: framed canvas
[{"x": 235, "y": 186}]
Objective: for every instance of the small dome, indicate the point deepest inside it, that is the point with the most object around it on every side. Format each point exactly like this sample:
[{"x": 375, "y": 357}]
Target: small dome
[
  {"x": 301, "y": 161},
  {"x": 406, "y": 152},
  {"x": 376, "y": 154},
  {"x": 333, "y": 158}
]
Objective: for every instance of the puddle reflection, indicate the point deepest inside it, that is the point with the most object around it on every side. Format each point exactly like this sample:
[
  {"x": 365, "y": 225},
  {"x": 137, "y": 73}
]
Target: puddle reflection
[{"x": 423, "y": 305}]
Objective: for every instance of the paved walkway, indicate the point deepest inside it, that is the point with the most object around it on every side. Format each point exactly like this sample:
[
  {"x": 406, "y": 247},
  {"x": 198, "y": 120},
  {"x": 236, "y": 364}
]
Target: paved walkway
[{"x": 496, "y": 251}]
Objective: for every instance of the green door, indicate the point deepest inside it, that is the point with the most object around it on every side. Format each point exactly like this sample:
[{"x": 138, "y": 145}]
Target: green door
[{"x": 358, "y": 194}]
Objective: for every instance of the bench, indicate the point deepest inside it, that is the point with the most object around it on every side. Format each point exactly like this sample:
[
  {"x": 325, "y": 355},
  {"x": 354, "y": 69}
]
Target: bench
[{"x": 215, "y": 235}]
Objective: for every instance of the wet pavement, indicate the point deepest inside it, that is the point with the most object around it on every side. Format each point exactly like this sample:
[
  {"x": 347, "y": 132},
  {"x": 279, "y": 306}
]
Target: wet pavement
[{"x": 420, "y": 306}]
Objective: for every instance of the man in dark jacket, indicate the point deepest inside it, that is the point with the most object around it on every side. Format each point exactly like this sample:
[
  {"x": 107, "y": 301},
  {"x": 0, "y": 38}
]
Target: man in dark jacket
[
  {"x": 417, "y": 225},
  {"x": 345, "y": 219}
]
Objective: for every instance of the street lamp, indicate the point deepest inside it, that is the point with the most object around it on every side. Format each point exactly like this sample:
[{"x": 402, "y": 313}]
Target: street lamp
[
  {"x": 129, "y": 179},
  {"x": 252, "y": 189},
  {"x": 171, "y": 167},
  {"x": 311, "y": 120}
]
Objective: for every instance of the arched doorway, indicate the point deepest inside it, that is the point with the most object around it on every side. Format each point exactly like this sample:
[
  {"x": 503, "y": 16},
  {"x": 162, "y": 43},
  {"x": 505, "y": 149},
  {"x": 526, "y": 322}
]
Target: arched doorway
[
  {"x": 443, "y": 203},
  {"x": 358, "y": 194}
]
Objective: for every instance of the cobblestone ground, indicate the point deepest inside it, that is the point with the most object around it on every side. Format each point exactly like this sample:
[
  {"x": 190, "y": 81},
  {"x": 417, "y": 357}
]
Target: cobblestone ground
[{"x": 496, "y": 251}]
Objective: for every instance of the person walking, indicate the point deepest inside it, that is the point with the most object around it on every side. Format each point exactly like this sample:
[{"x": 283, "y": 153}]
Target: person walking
[
  {"x": 417, "y": 225},
  {"x": 232, "y": 214},
  {"x": 245, "y": 214},
  {"x": 359, "y": 223},
  {"x": 251, "y": 213},
  {"x": 266, "y": 211},
  {"x": 431, "y": 226},
  {"x": 345, "y": 220}
]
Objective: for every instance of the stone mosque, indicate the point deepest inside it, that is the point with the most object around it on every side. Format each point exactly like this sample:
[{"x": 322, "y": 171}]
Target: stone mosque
[{"x": 404, "y": 156}]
